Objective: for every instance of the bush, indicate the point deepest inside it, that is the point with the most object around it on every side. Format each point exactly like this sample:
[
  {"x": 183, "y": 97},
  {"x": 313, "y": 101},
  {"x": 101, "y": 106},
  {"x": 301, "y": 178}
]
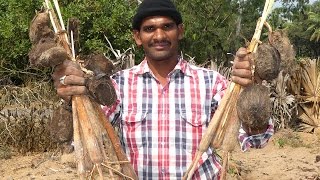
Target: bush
[{"x": 98, "y": 19}]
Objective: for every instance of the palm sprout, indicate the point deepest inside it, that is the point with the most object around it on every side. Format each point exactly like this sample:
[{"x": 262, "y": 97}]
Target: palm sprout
[{"x": 284, "y": 103}]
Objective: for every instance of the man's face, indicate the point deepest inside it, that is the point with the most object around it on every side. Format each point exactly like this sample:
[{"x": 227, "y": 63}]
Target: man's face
[{"x": 159, "y": 36}]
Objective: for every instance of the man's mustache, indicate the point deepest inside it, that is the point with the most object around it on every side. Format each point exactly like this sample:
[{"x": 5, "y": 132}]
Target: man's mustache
[{"x": 161, "y": 43}]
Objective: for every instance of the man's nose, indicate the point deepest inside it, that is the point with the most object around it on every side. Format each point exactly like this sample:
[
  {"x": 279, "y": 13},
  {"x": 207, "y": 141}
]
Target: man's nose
[{"x": 159, "y": 34}]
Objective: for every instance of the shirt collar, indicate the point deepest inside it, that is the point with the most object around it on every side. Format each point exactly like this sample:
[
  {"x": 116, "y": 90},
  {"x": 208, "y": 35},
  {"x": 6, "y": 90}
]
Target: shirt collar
[{"x": 182, "y": 66}]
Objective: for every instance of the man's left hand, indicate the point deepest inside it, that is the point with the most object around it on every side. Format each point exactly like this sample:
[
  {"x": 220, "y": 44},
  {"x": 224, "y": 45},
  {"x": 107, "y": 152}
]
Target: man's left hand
[{"x": 241, "y": 69}]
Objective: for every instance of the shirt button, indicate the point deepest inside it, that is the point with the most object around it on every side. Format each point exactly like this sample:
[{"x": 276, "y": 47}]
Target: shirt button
[{"x": 163, "y": 170}]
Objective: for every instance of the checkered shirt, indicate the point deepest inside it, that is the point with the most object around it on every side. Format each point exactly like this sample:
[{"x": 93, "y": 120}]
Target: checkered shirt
[{"x": 162, "y": 126}]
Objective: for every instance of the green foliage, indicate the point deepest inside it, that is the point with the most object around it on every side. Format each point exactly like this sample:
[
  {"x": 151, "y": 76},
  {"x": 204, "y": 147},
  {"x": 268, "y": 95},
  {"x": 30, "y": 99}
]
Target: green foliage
[
  {"x": 314, "y": 21},
  {"x": 110, "y": 18},
  {"x": 214, "y": 28},
  {"x": 301, "y": 20},
  {"x": 15, "y": 17},
  {"x": 210, "y": 28},
  {"x": 217, "y": 27}
]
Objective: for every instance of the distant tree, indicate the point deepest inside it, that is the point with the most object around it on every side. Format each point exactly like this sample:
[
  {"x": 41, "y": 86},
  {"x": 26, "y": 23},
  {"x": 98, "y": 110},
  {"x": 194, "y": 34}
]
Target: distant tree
[
  {"x": 215, "y": 28},
  {"x": 314, "y": 22},
  {"x": 303, "y": 29}
]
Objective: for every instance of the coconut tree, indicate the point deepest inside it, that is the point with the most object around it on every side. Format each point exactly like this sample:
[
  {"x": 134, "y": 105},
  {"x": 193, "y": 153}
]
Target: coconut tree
[{"x": 314, "y": 28}]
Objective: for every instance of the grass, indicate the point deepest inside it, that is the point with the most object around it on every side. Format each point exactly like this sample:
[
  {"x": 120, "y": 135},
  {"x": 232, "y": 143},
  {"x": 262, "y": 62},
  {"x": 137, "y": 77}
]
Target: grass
[{"x": 289, "y": 138}]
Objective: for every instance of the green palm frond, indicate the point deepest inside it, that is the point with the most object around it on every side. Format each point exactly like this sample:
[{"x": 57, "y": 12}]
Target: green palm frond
[{"x": 314, "y": 21}]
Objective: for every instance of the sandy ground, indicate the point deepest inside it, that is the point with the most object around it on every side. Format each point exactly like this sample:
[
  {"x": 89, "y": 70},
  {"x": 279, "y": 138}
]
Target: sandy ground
[{"x": 289, "y": 155}]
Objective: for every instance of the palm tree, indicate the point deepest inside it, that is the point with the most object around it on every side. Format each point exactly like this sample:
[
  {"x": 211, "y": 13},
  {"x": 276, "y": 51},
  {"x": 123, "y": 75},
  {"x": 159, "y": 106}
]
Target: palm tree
[{"x": 314, "y": 21}]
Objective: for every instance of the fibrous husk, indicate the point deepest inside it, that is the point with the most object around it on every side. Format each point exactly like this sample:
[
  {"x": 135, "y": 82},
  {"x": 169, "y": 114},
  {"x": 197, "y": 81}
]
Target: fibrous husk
[
  {"x": 99, "y": 64},
  {"x": 101, "y": 90},
  {"x": 279, "y": 39},
  {"x": 254, "y": 106},
  {"x": 74, "y": 26},
  {"x": 46, "y": 53},
  {"x": 267, "y": 62},
  {"x": 40, "y": 27},
  {"x": 45, "y": 50},
  {"x": 100, "y": 85}
]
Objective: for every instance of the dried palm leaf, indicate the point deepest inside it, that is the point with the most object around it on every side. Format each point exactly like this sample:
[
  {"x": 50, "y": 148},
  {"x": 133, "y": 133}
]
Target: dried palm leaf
[
  {"x": 307, "y": 115},
  {"x": 310, "y": 84},
  {"x": 303, "y": 127},
  {"x": 284, "y": 103}
]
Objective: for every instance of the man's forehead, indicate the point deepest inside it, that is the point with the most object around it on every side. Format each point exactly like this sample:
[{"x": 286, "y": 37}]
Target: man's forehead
[{"x": 156, "y": 20}]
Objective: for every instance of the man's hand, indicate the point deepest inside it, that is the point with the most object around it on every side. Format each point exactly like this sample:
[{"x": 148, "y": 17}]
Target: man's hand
[
  {"x": 73, "y": 83},
  {"x": 241, "y": 69}
]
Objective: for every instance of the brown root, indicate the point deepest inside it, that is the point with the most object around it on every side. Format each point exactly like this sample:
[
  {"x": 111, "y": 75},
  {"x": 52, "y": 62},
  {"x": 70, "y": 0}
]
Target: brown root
[
  {"x": 45, "y": 50},
  {"x": 267, "y": 62},
  {"x": 279, "y": 39},
  {"x": 53, "y": 57},
  {"x": 47, "y": 53},
  {"x": 254, "y": 106},
  {"x": 101, "y": 90},
  {"x": 40, "y": 28},
  {"x": 99, "y": 64}
]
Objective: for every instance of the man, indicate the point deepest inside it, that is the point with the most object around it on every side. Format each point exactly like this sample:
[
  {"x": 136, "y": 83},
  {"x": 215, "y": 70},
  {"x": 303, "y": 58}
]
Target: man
[{"x": 164, "y": 104}]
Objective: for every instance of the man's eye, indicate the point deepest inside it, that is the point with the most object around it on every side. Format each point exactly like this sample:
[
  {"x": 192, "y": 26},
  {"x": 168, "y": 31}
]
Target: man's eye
[
  {"x": 168, "y": 26},
  {"x": 148, "y": 29}
]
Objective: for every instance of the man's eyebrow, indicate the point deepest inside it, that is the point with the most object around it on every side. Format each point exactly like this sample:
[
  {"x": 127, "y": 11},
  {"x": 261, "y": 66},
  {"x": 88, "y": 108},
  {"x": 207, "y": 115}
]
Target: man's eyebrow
[
  {"x": 170, "y": 23},
  {"x": 147, "y": 26},
  {"x": 154, "y": 25}
]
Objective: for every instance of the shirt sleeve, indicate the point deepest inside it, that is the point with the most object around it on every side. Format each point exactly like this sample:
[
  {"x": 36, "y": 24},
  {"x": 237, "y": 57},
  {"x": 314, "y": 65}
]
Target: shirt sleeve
[
  {"x": 218, "y": 90},
  {"x": 113, "y": 112},
  {"x": 255, "y": 141}
]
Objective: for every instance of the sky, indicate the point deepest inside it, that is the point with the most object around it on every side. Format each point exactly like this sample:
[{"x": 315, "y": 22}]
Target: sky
[{"x": 278, "y": 3}]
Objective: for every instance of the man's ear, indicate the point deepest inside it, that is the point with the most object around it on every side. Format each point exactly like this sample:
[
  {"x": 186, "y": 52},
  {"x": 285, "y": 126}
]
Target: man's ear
[
  {"x": 180, "y": 31},
  {"x": 136, "y": 36}
]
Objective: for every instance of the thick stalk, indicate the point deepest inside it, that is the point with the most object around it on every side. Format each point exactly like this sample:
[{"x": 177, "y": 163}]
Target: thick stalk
[
  {"x": 99, "y": 131},
  {"x": 88, "y": 134},
  {"x": 78, "y": 144},
  {"x": 127, "y": 169}
]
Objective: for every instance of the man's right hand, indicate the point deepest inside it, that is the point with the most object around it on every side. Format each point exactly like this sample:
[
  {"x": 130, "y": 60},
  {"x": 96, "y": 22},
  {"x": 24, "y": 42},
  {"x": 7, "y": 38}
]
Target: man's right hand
[{"x": 73, "y": 83}]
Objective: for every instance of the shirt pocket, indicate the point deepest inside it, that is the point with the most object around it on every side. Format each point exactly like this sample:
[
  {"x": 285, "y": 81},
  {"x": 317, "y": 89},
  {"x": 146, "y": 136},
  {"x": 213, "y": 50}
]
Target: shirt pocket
[
  {"x": 196, "y": 126},
  {"x": 195, "y": 119},
  {"x": 134, "y": 128}
]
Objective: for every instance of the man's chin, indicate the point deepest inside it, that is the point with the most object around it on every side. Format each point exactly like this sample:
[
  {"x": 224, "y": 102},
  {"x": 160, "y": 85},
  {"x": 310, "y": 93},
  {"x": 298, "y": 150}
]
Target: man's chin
[{"x": 160, "y": 57}]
